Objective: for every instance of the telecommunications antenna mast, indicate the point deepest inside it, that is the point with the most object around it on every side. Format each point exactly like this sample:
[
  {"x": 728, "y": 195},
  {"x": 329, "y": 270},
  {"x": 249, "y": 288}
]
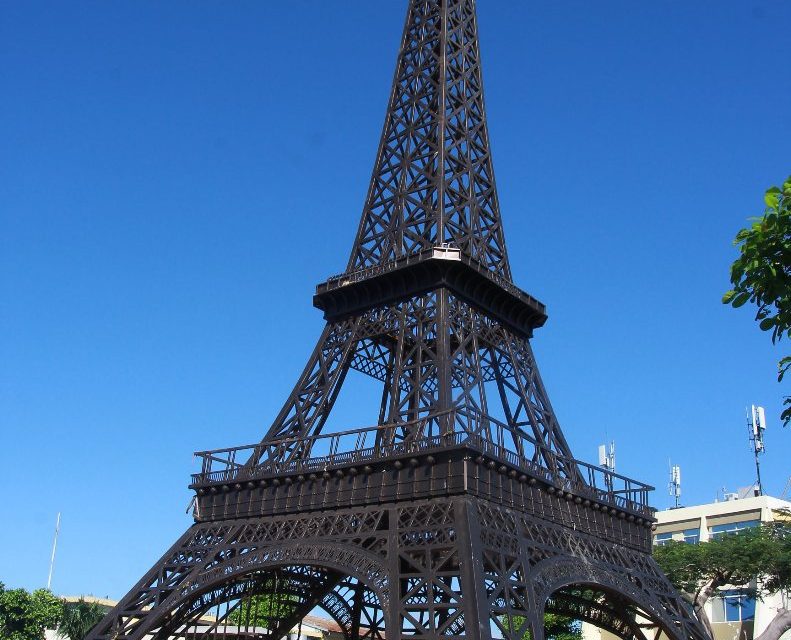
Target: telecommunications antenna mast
[
  {"x": 607, "y": 462},
  {"x": 756, "y": 425},
  {"x": 675, "y": 485},
  {"x": 607, "y": 456}
]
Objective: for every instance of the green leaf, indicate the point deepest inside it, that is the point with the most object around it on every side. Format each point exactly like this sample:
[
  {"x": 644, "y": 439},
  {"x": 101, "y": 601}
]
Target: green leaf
[
  {"x": 772, "y": 197},
  {"x": 740, "y": 299},
  {"x": 766, "y": 324},
  {"x": 727, "y": 297},
  {"x": 786, "y": 415},
  {"x": 783, "y": 366}
]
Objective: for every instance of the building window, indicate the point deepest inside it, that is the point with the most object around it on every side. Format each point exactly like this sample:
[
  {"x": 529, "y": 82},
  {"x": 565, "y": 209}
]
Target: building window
[
  {"x": 732, "y": 605},
  {"x": 663, "y": 538},
  {"x": 691, "y": 536},
  {"x": 732, "y": 527}
]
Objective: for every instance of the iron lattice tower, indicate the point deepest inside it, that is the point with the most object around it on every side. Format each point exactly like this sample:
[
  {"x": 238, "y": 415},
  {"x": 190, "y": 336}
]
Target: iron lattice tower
[{"x": 462, "y": 511}]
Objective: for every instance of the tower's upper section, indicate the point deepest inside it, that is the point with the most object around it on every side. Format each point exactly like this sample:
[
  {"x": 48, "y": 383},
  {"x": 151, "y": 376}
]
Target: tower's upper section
[
  {"x": 431, "y": 217},
  {"x": 433, "y": 182}
]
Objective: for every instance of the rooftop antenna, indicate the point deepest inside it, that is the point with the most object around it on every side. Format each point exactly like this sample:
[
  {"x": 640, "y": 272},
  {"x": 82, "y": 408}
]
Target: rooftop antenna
[
  {"x": 607, "y": 456},
  {"x": 54, "y": 546},
  {"x": 675, "y": 484},
  {"x": 756, "y": 425},
  {"x": 607, "y": 462}
]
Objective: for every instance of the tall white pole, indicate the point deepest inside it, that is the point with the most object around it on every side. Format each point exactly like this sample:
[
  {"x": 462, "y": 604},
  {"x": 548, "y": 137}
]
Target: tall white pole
[{"x": 54, "y": 546}]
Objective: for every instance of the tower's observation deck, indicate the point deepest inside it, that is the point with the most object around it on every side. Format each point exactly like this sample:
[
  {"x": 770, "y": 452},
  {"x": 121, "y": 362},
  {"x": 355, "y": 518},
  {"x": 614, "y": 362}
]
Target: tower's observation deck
[
  {"x": 414, "y": 274},
  {"x": 372, "y": 466}
]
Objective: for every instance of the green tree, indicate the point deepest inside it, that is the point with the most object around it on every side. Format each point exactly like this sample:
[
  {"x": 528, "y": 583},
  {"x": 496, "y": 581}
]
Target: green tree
[
  {"x": 556, "y": 627},
  {"x": 762, "y": 272},
  {"x": 24, "y": 615},
  {"x": 761, "y": 553},
  {"x": 264, "y": 609},
  {"x": 561, "y": 628},
  {"x": 79, "y": 618}
]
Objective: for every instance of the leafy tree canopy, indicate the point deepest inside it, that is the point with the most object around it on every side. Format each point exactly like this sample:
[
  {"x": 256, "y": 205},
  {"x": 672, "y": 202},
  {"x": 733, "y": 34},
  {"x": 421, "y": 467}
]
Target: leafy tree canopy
[
  {"x": 762, "y": 272},
  {"x": 556, "y": 627},
  {"x": 561, "y": 628},
  {"x": 762, "y": 553},
  {"x": 25, "y": 615},
  {"x": 264, "y": 609},
  {"x": 79, "y": 618}
]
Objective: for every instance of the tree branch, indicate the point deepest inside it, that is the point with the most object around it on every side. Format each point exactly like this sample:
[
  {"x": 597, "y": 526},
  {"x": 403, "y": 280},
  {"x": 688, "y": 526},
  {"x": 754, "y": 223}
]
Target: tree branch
[
  {"x": 778, "y": 626},
  {"x": 706, "y": 590}
]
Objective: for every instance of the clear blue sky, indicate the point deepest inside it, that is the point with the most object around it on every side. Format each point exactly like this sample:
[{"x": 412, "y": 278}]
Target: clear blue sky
[{"x": 175, "y": 177}]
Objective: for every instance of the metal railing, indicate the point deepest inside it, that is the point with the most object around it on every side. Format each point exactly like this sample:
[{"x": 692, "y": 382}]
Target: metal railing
[
  {"x": 519, "y": 450},
  {"x": 350, "y": 277},
  {"x": 451, "y": 429},
  {"x": 320, "y": 452}
]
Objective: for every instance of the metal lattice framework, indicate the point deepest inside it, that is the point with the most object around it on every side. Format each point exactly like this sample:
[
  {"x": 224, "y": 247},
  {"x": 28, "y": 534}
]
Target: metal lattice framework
[
  {"x": 433, "y": 181},
  {"x": 460, "y": 512}
]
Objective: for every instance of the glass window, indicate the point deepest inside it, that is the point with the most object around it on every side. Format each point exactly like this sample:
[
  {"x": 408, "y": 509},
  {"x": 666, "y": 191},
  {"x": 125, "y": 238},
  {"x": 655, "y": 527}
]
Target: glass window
[
  {"x": 732, "y": 527},
  {"x": 691, "y": 536},
  {"x": 663, "y": 538},
  {"x": 747, "y": 606},
  {"x": 717, "y": 609},
  {"x": 732, "y": 605}
]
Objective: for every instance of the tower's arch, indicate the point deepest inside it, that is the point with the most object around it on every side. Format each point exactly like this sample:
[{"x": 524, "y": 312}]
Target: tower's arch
[
  {"x": 263, "y": 591},
  {"x": 617, "y": 599}
]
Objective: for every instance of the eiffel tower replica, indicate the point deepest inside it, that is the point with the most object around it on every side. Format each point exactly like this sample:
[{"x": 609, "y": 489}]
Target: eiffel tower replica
[{"x": 461, "y": 513}]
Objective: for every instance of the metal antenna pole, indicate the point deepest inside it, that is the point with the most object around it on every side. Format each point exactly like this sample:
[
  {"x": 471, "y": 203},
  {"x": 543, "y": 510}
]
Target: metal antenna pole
[
  {"x": 759, "y": 487},
  {"x": 54, "y": 547},
  {"x": 756, "y": 424},
  {"x": 675, "y": 484}
]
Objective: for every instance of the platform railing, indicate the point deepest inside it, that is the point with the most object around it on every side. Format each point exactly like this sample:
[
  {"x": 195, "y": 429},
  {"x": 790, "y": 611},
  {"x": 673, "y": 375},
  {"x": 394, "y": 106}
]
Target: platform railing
[
  {"x": 321, "y": 451},
  {"x": 568, "y": 474},
  {"x": 438, "y": 251},
  {"x": 448, "y": 430}
]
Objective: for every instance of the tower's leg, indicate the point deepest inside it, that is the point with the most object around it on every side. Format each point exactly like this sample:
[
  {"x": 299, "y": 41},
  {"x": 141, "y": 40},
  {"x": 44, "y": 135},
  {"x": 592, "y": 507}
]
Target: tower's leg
[
  {"x": 312, "y": 399},
  {"x": 476, "y": 605}
]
